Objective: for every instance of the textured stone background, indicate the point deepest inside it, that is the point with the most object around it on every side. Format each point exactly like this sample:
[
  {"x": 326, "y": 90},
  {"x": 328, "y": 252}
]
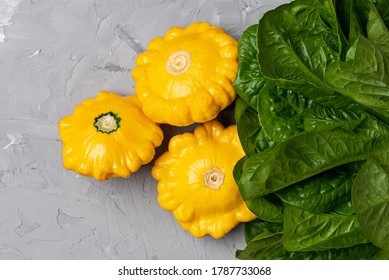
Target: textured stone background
[{"x": 54, "y": 54}]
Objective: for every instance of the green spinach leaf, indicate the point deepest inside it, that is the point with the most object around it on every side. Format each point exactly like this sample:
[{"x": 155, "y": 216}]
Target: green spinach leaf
[
  {"x": 261, "y": 228},
  {"x": 304, "y": 231},
  {"x": 371, "y": 198},
  {"x": 264, "y": 242},
  {"x": 374, "y": 26},
  {"x": 249, "y": 79},
  {"x": 319, "y": 117},
  {"x": 271, "y": 248},
  {"x": 323, "y": 192},
  {"x": 383, "y": 9},
  {"x": 345, "y": 208},
  {"x": 366, "y": 79},
  {"x": 269, "y": 207},
  {"x": 313, "y": 83},
  {"x": 295, "y": 51},
  {"x": 310, "y": 153},
  {"x": 249, "y": 129},
  {"x": 278, "y": 117},
  {"x": 259, "y": 249}
]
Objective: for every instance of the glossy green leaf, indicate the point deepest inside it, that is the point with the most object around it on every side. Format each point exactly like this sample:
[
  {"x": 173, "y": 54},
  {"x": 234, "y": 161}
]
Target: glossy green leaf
[
  {"x": 374, "y": 26},
  {"x": 319, "y": 117},
  {"x": 261, "y": 228},
  {"x": 356, "y": 28},
  {"x": 383, "y": 10},
  {"x": 264, "y": 242},
  {"x": 295, "y": 51},
  {"x": 315, "y": 76},
  {"x": 304, "y": 231},
  {"x": 371, "y": 198},
  {"x": 268, "y": 208},
  {"x": 366, "y": 79},
  {"x": 346, "y": 208},
  {"x": 323, "y": 192},
  {"x": 249, "y": 79},
  {"x": 377, "y": 31},
  {"x": 248, "y": 126},
  {"x": 271, "y": 248},
  {"x": 258, "y": 249},
  {"x": 279, "y": 118},
  {"x": 308, "y": 154}
]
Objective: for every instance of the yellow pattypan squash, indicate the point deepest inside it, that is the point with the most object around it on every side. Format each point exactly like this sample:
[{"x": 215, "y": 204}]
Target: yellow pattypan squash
[
  {"x": 108, "y": 136},
  {"x": 196, "y": 181},
  {"x": 187, "y": 76}
]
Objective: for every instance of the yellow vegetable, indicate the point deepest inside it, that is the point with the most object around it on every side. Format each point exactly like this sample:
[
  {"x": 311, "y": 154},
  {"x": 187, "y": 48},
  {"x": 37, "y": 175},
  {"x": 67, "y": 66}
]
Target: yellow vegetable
[
  {"x": 196, "y": 181},
  {"x": 108, "y": 136},
  {"x": 187, "y": 76}
]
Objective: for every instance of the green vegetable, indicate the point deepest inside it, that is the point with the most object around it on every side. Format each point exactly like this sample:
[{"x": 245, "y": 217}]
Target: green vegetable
[
  {"x": 265, "y": 243},
  {"x": 279, "y": 112},
  {"x": 249, "y": 127},
  {"x": 383, "y": 9},
  {"x": 308, "y": 154},
  {"x": 249, "y": 79},
  {"x": 327, "y": 191},
  {"x": 365, "y": 80},
  {"x": 269, "y": 207},
  {"x": 313, "y": 118},
  {"x": 305, "y": 231},
  {"x": 294, "y": 43},
  {"x": 371, "y": 198}
]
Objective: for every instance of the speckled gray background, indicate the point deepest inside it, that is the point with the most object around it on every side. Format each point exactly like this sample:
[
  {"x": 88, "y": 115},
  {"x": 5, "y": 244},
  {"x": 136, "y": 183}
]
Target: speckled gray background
[{"x": 54, "y": 54}]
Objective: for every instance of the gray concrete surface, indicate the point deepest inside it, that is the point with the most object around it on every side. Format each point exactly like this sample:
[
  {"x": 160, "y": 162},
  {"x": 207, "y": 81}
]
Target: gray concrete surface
[{"x": 54, "y": 54}]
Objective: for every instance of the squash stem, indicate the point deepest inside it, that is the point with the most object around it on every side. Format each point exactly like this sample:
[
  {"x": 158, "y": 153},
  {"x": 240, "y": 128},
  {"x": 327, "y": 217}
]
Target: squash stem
[
  {"x": 107, "y": 123},
  {"x": 213, "y": 178},
  {"x": 178, "y": 62}
]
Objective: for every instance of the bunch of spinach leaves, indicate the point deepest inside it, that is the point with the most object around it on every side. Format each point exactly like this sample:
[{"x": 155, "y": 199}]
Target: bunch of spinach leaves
[{"x": 313, "y": 118}]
